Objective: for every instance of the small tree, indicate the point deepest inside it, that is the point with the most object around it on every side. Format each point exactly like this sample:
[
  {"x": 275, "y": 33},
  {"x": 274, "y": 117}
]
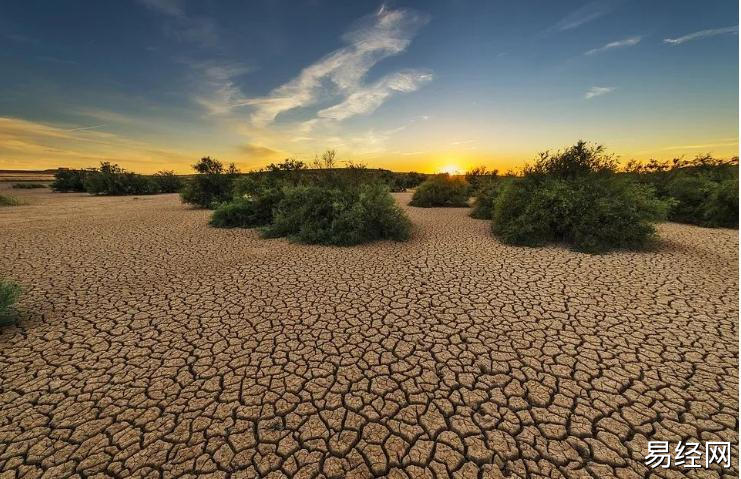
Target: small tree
[{"x": 212, "y": 185}]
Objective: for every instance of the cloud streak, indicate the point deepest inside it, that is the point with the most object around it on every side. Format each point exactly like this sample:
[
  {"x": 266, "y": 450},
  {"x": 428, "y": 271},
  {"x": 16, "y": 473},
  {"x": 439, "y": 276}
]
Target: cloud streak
[
  {"x": 596, "y": 91},
  {"x": 342, "y": 72},
  {"x": 701, "y": 34},
  {"x": 628, "y": 42},
  {"x": 585, "y": 14}
]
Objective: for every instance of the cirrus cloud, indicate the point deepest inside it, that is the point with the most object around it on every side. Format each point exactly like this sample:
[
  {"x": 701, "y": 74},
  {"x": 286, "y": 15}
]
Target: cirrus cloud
[
  {"x": 598, "y": 91},
  {"x": 628, "y": 42},
  {"x": 701, "y": 34}
]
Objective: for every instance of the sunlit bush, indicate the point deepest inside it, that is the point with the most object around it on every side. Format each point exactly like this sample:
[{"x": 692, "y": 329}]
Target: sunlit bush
[
  {"x": 441, "y": 190},
  {"x": 574, "y": 197}
]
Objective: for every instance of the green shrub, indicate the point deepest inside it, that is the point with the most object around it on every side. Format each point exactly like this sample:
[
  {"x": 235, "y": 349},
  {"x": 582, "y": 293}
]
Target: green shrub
[
  {"x": 248, "y": 211},
  {"x": 28, "y": 186},
  {"x": 111, "y": 179},
  {"x": 441, "y": 190},
  {"x": 592, "y": 214},
  {"x": 575, "y": 197},
  {"x": 701, "y": 190},
  {"x": 10, "y": 291},
  {"x": 167, "y": 181},
  {"x": 690, "y": 194},
  {"x": 721, "y": 207},
  {"x": 486, "y": 195},
  {"x": 211, "y": 186},
  {"x": 9, "y": 201},
  {"x": 66, "y": 180},
  {"x": 334, "y": 216}
]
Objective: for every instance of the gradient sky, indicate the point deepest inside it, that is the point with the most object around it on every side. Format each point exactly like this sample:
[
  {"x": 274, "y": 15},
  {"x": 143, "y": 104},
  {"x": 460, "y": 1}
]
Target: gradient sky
[{"x": 154, "y": 84}]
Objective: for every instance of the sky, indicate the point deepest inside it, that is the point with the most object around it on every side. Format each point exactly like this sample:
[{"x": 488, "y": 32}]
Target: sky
[{"x": 424, "y": 86}]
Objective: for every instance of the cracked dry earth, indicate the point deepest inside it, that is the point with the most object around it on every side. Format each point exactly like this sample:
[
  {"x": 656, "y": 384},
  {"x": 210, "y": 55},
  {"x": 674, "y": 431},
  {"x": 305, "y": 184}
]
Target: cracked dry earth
[{"x": 151, "y": 345}]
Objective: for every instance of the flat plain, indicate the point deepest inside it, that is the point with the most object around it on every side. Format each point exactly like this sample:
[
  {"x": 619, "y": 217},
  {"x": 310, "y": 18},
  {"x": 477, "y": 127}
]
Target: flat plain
[{"x": 151, "y": 345}]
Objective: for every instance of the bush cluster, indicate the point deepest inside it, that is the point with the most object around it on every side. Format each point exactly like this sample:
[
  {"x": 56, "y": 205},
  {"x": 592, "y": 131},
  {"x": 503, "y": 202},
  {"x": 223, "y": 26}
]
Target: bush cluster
[
  {"x": 10, "y": 291},
  {"x": 28, "y": 186},
  {"x": 702, "y": 191},
  {"x": 334, "y": 216},
  {"x": 441, "y": 190},
  {"x": 320, "y": 206},
  {"x": 576, "y": 197},
  {"x": 68, "y": 180},
  {"x": 111, "y": 179}
]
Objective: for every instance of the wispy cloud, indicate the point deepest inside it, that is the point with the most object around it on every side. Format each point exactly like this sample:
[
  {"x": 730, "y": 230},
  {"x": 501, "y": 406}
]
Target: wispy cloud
[
  {"x": 220, "y": 92},
  {"x": 386, "y": 33},
  {"x": 585, "y": 14},
  {"x": 198, "y": 29},
  {"x": 82, "y": 128},
  {"x": 628, "y": 42},
  {"x": 702, "y": 146},
  {"x": 701, "y": 34},
  {"x": 367, "y": 99},
  {"x": 598, "y": 91}
]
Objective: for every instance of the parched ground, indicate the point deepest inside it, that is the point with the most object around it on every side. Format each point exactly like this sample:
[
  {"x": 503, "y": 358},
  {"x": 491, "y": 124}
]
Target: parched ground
[{"x": 154, "y": 346}]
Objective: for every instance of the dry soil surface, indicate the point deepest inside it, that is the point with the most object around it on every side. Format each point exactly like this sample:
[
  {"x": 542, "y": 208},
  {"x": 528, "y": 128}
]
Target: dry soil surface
[{"x": 152, "y": 345}]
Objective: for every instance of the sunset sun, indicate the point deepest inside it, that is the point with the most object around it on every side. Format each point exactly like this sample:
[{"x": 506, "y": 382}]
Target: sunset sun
[{"x": 451, "y": 169}]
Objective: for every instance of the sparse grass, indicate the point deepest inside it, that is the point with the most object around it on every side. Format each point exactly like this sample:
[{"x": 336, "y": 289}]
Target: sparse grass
[
  {"x": 28, "y": 186},
  {"x": 10, "y": 291},
  {"x": 10, "y": 201}
]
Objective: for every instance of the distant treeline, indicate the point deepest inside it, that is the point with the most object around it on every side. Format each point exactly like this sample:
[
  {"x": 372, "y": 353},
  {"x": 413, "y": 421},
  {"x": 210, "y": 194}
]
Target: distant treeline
[{"x": 111, "y": 179}]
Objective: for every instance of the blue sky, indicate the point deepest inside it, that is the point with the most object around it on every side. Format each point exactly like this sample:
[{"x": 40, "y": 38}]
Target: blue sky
[{"x": 156, "y": 84}]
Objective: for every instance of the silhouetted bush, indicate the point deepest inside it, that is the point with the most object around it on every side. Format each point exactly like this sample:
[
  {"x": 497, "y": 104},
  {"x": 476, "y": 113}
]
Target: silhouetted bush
[
  {"x": 212, "y": 185},
  {"x": 334, "y": 216},
  {"x": 67, "y": 180},
  {"x": 28, "y": 186},
  {"x": 9, "y": 201},
  {"x": 479, "y": 178},
  {"x": 10, "y": 291},
  {"x": 167, "y": 181},
  {"x": 441, "y": 190},
  {"x": 111, "y": 179},
  {"x": 575, "y": 197}
]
